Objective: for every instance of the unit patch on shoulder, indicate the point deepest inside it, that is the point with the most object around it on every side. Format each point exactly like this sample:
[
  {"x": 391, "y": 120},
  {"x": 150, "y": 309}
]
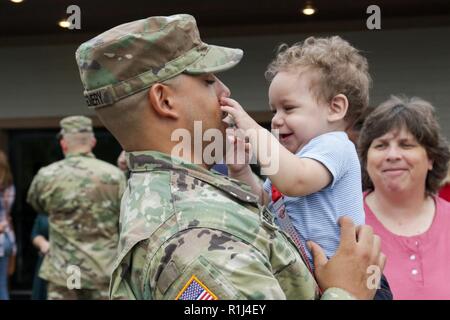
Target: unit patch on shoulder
[{"x": 194, "y": 289}]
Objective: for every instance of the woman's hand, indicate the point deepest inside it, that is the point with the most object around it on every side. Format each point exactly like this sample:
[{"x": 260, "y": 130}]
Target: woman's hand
[
  {"x": 44, "y": 247},
  {"x": 3, "y": 225},
  {"x": 41, "y": 244}
]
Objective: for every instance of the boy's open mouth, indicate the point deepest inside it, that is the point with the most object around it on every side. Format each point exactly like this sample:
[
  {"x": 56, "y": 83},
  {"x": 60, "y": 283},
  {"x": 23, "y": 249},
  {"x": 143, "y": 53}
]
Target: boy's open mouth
[{"x": 285, "y": 135}]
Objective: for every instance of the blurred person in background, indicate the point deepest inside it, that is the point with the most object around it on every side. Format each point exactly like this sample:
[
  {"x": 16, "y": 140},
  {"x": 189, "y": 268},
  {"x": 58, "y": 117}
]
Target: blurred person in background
[
  {"x": 7, "y": 238},
  {"x": 81, "y": 195},
  {"x": 39, "y": 238}
]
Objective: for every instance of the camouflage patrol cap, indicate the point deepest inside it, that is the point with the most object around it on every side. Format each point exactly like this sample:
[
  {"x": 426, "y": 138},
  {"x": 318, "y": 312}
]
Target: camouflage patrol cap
[
  {"x": 133, "y": 56},
  {"x": 75, "y": 124}
]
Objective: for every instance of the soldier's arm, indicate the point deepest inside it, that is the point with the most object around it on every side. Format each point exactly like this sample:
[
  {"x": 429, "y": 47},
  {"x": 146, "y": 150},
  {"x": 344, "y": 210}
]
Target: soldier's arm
[
  {"x": 34, "y": 196},
  {"x": 336, "y": 294},
  {"x": 212, "y": 263}
]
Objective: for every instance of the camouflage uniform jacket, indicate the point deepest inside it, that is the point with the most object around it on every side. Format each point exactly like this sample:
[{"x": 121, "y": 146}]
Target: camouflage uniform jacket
[
  {"x": 181, "y": 224},
  {"x": 81, "y": 195}
]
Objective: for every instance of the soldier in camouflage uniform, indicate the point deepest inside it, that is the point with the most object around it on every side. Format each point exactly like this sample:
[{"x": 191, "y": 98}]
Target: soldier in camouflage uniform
[
  {"x": 187, "y": 232},
  {"x": 82, "y": 196}
]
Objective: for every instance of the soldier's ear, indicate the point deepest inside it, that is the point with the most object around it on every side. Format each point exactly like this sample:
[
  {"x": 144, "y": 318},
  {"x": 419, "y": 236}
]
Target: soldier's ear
[
  {"x": 161, "y": 101},
  {"x": 63, "y": 145},
  {"x": 93, "y": 142}
]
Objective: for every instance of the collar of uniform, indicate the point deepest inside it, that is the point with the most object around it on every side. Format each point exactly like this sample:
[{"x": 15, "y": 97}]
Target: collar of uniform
[
  {"x": 80, "y": 154},
  {"x": 146, "y": 161}
]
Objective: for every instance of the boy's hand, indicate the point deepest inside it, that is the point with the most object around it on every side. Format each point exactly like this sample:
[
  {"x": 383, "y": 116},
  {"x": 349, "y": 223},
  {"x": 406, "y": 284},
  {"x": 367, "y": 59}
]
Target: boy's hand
[
  {"x": 238, "y": 153},
  {"x": 241, "y": 118}
]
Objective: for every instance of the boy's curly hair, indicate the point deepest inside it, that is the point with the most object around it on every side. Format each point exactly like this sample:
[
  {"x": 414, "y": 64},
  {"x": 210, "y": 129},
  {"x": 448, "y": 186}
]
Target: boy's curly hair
[{"x": 338, "y": 66}]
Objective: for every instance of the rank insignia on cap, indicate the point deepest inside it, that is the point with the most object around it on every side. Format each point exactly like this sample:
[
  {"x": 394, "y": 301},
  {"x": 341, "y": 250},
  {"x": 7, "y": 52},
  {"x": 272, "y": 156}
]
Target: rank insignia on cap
[{"x": 194, "y": 289}]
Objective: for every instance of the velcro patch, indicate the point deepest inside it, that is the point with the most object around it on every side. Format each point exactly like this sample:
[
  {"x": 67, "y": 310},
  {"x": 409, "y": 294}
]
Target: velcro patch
[
  {"x": 194, "y": 289},
  {"x": 99, "y": 98}
]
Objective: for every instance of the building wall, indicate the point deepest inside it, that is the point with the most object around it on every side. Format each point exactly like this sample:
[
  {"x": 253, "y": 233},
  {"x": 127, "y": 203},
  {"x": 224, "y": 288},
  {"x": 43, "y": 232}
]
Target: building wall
[{"x": 43, "y": 81}]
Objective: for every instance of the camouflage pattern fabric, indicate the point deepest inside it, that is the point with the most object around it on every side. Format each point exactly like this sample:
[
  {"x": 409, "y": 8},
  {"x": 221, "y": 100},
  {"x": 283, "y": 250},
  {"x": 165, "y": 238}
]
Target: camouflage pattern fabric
[
  {"x": 81, "y": 195},
  {"x": 75, "y": 124},
  {"x": 55, "y": 292},
  {"x": 133, "y": 56},
  {"x": 179, "y": 220}
]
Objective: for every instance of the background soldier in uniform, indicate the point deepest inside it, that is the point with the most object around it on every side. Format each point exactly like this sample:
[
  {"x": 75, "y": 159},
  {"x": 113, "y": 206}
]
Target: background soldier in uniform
[
  {"x": 82, "y": 196},
  {"x": 186, "y": 232}
]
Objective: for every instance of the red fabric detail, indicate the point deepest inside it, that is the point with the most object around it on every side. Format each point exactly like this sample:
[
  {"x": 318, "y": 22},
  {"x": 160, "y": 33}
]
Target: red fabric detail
[
  {"x": 444, "y": 193},
  {"x": 275, "y": 194}
]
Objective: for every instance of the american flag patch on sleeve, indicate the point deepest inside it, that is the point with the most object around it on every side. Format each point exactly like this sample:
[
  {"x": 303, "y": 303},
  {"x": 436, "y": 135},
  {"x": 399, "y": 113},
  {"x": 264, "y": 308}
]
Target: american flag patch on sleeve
[{"x": 194, "y": 289}]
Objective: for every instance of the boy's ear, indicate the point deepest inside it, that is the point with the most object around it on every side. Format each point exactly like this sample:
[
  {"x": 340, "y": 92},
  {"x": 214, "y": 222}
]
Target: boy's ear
[
  {"x": 161, "y": 99},
  {"x": 338, "y": 108}
]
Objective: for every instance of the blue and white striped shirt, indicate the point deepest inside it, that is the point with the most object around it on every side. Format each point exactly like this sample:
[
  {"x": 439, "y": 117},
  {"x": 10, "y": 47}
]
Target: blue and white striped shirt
[{"x": 315, "y": 216}]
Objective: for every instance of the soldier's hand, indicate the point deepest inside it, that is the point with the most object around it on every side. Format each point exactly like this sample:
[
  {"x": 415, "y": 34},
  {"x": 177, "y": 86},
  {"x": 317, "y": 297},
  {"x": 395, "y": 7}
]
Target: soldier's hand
[{"x": 357, "y": 261}]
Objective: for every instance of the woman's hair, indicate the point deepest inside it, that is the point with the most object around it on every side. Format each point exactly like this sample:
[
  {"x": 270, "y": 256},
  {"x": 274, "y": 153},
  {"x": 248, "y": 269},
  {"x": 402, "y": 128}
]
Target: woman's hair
[
  {"x": 339, "y": 67},
  {"x": 419, "y": 118},
  {"x": 5, "y": 172}
]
